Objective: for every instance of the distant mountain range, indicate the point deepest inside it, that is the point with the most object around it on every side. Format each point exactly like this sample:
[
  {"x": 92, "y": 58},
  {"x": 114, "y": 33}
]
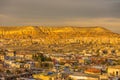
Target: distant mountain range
[{"x": 51, "y": 35}]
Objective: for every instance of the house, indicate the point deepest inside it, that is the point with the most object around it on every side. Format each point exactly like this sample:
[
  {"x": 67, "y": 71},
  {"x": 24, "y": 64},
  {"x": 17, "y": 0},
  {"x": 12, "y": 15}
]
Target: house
[
  {"x": 78, "y": 76},
  {"x": 28, "y": 56},
  {"x": 20, "y": 55},
  {"x": 9, "y": 62},
  {"x": 81, "y": 61},
  {"x": 118, "y": 53},
  {"x": 10, "y": 53},
  {"x": 22, "y": 78},
  {"x": 2, "y": 57},
  {"x": 47, "y": 64},
  {"x": 19, "y": 59},
  {"x": 16, "y": 65},
  {"x": 114, "y": 70},
  {"x": 93, "y": 71},
  {"x": 37, "y": 64},
  {"x": 1, "y": 65},
  {"x": 25, "y": 55},
  {"x": 103, "y": 77},
  {"x": 45, "y": 76},
  {"x": 29, "y": 65}
]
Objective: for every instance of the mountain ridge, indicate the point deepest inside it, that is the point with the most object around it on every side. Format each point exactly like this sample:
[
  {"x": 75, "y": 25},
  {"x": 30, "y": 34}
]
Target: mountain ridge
[
  {"x": 63, "y": 34},
  {"x": 36, "y": 30}
]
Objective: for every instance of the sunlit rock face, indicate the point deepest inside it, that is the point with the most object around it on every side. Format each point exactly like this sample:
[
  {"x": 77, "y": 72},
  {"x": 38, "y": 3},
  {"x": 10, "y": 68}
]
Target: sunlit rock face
[
  {"x": 17, "y": 32},
  {"x": 51, "y": 35}
]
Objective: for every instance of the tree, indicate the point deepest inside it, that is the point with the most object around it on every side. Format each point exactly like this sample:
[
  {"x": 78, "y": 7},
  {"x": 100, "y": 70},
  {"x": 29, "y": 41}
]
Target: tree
[{"x": 8, "y": 71}]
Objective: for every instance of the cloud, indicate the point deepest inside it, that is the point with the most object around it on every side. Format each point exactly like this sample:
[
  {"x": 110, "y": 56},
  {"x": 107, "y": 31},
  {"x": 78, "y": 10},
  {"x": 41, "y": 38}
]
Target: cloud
[
  {"x": 60, "y": 12},
  {"x": 61, "y": 8}
]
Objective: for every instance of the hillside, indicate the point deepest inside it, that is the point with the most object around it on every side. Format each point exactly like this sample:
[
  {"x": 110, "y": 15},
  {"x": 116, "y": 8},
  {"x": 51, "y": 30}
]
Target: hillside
[{"x": 59, "y": 34}]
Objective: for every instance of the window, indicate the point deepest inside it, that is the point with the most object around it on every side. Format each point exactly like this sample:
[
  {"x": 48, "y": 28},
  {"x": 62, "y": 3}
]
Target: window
[
  {"x": 116, "y": 73},
  {"x": 50, "y": 78}
]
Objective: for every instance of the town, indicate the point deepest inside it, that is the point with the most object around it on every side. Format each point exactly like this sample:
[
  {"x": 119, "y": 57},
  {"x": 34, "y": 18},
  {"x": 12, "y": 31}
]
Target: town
[
  {"x": 59, "y": 39},
  {"x": 100, "y": 63}
]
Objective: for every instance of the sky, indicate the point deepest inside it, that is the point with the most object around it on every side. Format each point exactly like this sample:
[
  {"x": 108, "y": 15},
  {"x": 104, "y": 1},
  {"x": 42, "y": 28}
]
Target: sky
[{"x": 80, "y": 13}]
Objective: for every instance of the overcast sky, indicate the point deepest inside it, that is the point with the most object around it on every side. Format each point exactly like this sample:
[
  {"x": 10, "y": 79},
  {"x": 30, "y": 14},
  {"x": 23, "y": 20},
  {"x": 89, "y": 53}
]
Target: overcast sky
[{"x": 105, "y": 13}]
